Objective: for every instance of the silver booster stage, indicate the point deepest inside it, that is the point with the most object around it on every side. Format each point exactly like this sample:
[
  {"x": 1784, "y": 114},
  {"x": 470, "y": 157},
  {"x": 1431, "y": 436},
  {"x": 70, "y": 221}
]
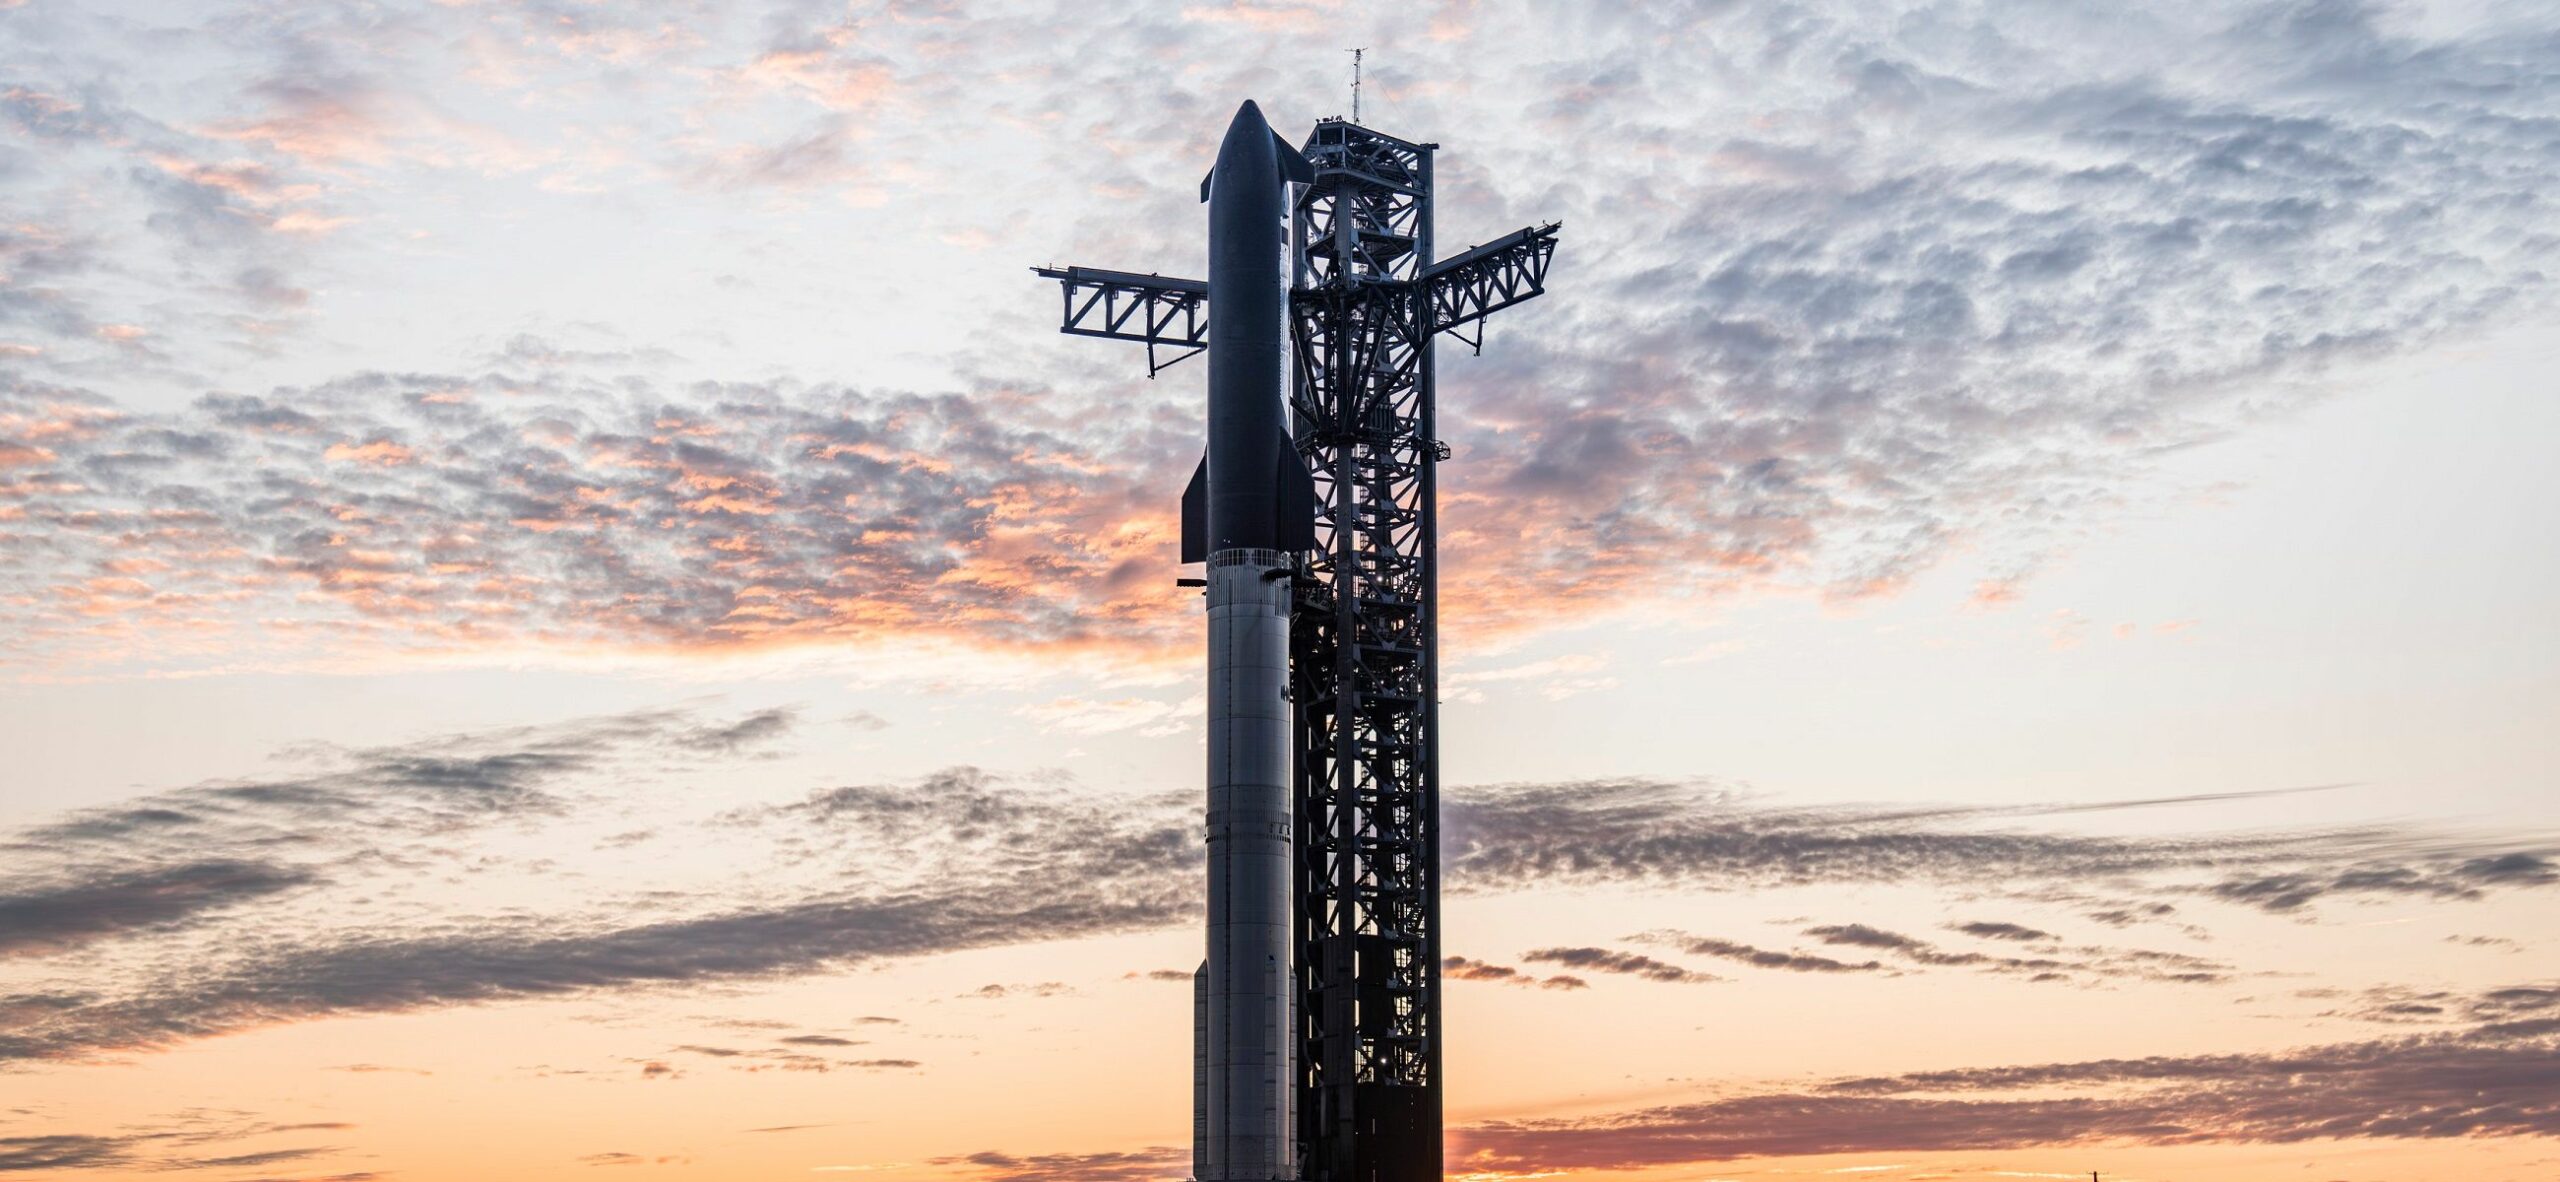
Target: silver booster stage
[{"x": 1250, "y": 507}]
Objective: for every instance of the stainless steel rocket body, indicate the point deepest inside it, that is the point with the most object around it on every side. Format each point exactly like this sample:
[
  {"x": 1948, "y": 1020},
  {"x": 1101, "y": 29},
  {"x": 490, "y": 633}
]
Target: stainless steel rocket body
[
  {"x": 1249, "y": 1129},
  {"x": 1250, "y": 512}
]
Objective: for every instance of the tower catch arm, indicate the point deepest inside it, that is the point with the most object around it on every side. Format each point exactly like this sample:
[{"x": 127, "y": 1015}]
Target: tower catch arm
[
  {"x": 1466, "y": 288},
  {"x": 1155, "y": 310}
]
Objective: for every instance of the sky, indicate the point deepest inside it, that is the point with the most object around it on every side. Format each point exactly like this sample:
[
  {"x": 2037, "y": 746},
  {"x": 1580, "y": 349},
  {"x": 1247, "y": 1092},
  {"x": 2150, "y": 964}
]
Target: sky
[{"x": 565, "y": 612}]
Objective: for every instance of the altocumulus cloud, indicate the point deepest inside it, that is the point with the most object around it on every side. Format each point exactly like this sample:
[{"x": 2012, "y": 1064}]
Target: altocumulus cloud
[
  {"x": 448, "y": 512},
  {"x": 1876, "y": 283},
  {"x": 1843, "y": 296}
]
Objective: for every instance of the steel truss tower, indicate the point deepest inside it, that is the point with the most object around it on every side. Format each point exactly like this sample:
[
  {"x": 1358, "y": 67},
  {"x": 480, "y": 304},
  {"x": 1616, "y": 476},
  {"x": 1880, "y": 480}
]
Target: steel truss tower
[{"x": 1370, "y": 299}]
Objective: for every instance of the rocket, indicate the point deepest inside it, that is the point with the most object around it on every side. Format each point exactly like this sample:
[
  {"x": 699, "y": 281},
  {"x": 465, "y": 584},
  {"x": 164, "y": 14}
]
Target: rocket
[{"x": 1248, "y": 510}]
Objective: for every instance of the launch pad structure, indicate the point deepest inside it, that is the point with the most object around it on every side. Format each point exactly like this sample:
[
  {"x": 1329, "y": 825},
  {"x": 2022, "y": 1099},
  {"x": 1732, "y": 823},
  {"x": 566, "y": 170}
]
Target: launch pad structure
[{"x": 1369, "y": 296}]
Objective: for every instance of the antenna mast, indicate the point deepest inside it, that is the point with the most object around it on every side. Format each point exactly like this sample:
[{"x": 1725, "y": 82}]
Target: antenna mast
[{"x": 1356, "y": 55}]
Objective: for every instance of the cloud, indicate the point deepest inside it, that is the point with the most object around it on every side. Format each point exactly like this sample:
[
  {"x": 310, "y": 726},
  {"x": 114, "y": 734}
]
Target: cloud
[
  {"x": 2486, "y": 942},
  {"x": 1139, "y": 1165},
  {"x": 2491, "y": 1082},
  {"x": 241, "y": 1160},
  {"x": 2128, "y": 916},
  {"x": 46, "y": 921},
  {"x": 2524, "y": 869},
  {"x": 391, "y": 974},
  {"x": 60, "y": 1152},
  {"x": 1917, "y": 295},
  {"x": 163, "y": 857},
  {"x": 2464, "y": 879},
  {"x": 461, "y": 514},
  {"x": 170, "y": 1143},
  {"x": 1957, "y": 288},
  {"x": 1675, "y": 833},
  {"x": 1702, "y": 836},
  {"x": 1762, "y": 958},
  {"x": 2057, "y": 963},
  {"x": 1459, "y": 968},
  {"x": 438, "y": 781},
  {"x": 215, "y": 238},
  {"x": 870, "y": 872},
  {"x": 994, "y": 991},
  {"x": 971, "y": 862},
  {"x": 1605, "y": 960},
  {"x": 821, "y": 156},
  {"x": 191, "y": 876},
  {"x": 2404, "y": 1005},
  {"x": 783, "y": 1058},
  {"x": 1990, "y": 930},
  {"x": 961, "y": 820},
  {"x": 754, "y": 730},
  {"x": 1858, "y": 935}
]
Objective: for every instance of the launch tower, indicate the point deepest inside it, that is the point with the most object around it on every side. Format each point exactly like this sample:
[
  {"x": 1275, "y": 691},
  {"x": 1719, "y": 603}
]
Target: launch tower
[{"x": 1369, "y": 297}]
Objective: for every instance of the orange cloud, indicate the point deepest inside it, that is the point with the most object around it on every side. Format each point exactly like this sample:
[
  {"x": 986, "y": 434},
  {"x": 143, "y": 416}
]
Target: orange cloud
[
  {"x": 379, "y": 452},
  {"x": 19, "y": 455}
]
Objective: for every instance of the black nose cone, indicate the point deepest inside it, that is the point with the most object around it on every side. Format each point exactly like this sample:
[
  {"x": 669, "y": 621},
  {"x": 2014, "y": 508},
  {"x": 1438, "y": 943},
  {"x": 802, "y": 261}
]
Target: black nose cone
[{"x": 1247, "y": 130}]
